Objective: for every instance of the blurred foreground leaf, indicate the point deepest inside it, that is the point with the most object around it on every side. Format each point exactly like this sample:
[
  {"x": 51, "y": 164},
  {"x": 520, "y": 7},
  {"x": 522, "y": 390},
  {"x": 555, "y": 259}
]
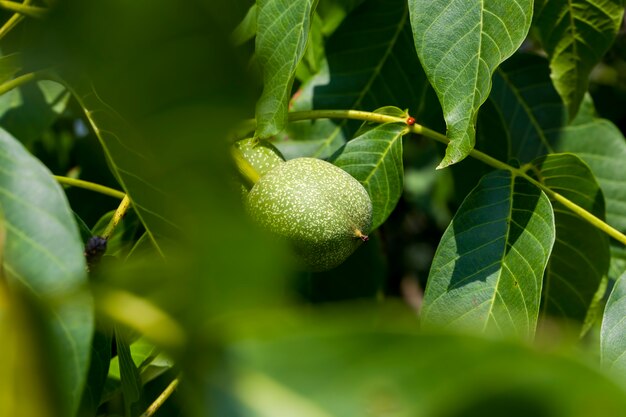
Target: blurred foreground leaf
[
  {"x": 361, "y": 364},
  {"x": 44, "y": 255},
  {"x": 614, "y": 330}
]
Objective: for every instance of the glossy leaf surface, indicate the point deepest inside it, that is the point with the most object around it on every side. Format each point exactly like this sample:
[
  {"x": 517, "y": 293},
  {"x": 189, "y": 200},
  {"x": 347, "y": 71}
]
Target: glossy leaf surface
[
  {"x": 282, "y": 33},
  {"x": 375, "y": 159},
  {"x": 580, "y": 256},
  {"x": 488, "y": 269},
  {"x": 576, "y": 34},
  {"x": 44, "y": 253},
  {"x": 460, "y": 44}
]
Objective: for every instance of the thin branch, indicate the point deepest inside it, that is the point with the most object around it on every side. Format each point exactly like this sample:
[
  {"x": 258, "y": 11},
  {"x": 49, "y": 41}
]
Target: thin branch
[
  {"x": 13, "y": 21},
  {"x": 117, "y": 217},
  {"x": 24, "y": 9},
  {"x": 483, "y": 157},
  {"x": 91, "y": 186},
  {"x": 161, "y": 398}
]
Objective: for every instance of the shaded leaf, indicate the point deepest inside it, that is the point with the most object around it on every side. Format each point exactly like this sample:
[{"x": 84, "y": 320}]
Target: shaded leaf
[
  {"x": 535, "y": 122},
  {"x": 488, "y": 268},
  {"x": 580, "y": 256},
  {"x": 370, "y": 64},
  {"x": 529, "y": 107},
  {"x": 120, "y": 142},
  {"x": 375, "y": 160},
  {"x": 129, "y": 374},
  {"x": 26, "y": 112},
  {"x": 44, "y": 253},
  {"x": 613, "y": 339},
  {"x": 576, "y": 34},
  {"x": 98, "y": 370},
  {"x": 282, "y": 33},
  {"x": 460, "y": 44},
  {"x": 246, "y": 30},
  {"x": 601, "y": 145}
]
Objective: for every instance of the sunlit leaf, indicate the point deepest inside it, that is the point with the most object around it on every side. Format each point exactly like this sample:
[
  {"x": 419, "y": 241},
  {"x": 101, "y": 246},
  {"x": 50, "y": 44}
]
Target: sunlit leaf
[
  {"x": 375, "y": 159},
  {"x": 9, "y": 66},
  {"x": 460, "y": 44},
  {"x": 488, "y": 269},
  {"x": 580, "y": 256},
  {"x": 576, "y": 34},
  {"x": 282, "y": 33},
  {"x": 614, "y": 329},
  {"x": 44, "y": 253}
]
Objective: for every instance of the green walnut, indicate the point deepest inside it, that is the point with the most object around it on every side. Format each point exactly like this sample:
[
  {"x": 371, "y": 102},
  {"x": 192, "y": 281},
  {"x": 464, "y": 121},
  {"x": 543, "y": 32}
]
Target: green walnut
[
  {"x": 320, "y": 209},
  {"x": 260, "y": 154}
]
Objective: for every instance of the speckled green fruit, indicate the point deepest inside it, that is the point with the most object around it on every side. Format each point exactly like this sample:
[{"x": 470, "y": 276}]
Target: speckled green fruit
[
  {"x": 260, "y": 154},
  {"x": 323, "y": 211}
]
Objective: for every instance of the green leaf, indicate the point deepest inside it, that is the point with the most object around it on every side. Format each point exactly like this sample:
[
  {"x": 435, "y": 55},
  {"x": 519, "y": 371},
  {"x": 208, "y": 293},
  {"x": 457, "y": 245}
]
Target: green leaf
[
  {"x": 460, "y": 44},
  {"x": 26, "y": 112},
  {"x": 601, "y": 145},
  {"x": 314, "y": 55},
  {"x": 26, "y": 385},
  {"x": 44, "y": 253},
  {"x": 129, "y": 374},
  {"x": 98, "y": 371},
  {"x": 282, "y": 33},
  {"x": 580, "y": 256},
  {"x": 127, "y": 158},
  {"x": 535, "y": 121},
  {"x": 375, "y": 160},
  {"x": 246, "y": 30},
  {"x": 576, "y": 34},
  {"x": 613, "y": 339},
  {"x": 9, "y": 66},
  {"x": 301, "y": 372},
  {"x": 370, "y": 64},
  {"x": 488, "y": 269},
  {"x": 528, "y": 105}
]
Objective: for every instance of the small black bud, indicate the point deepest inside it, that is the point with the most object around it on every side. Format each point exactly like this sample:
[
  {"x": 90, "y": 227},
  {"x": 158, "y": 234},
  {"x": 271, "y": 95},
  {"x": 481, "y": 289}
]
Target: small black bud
[{"x": 94, "y": 249}]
